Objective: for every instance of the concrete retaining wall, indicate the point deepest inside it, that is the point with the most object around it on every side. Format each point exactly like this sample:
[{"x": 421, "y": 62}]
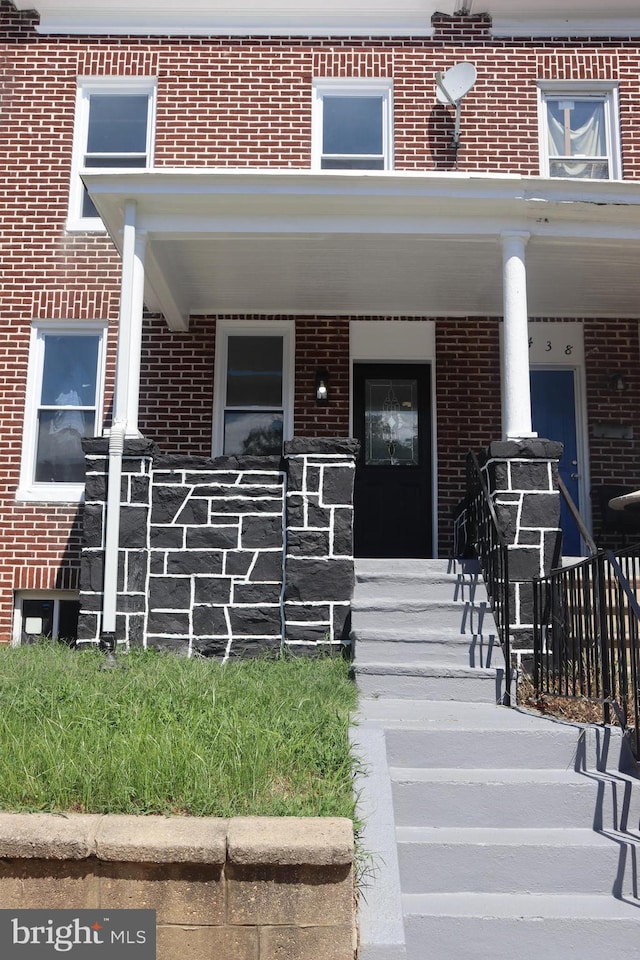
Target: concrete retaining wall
[{"x": 242, "y": 889}]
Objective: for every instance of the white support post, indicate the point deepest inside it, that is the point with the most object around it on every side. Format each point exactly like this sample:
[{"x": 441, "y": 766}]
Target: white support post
[
  {"x": 516, "y": 390},
  {"x": 127, "y": 387}
]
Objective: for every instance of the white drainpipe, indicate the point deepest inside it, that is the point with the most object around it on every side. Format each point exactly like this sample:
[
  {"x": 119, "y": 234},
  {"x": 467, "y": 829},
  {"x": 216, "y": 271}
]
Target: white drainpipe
[{"x": 125, "y": 421}]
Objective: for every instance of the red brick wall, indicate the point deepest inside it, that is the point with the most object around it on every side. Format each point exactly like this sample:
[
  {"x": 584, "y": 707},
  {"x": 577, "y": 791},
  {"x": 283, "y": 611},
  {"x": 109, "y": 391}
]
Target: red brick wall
[{"x": 235, "y": 102}]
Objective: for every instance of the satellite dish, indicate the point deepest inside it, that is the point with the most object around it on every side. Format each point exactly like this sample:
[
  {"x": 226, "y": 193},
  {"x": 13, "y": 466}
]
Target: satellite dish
[
  {"x": 455, "y": 83},
  {"x": 452, "y": 86}
]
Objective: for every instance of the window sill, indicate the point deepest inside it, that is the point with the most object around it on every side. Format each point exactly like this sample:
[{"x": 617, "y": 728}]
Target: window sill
[
  {"x": 51, "y": 493},
  {"x": 89, "y": 225}
]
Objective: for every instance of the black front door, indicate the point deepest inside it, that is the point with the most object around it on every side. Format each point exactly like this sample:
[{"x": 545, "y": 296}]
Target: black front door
[{"x": 392, "y": 421}]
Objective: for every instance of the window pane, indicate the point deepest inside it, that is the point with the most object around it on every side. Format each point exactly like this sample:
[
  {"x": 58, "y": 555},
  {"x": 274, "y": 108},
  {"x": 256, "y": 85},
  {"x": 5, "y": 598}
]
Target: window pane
[
  {"x": 576, "y": 128},
  {"x": 391, "y": 422},
  {"x": 59, "y": 456},
  {"x": 253, "y": 433},
  {"x": 37, "y": 619},
  {"x": 70, "y": 371},
  {"x": 583, "y": 169},
  {"x": 117, "y": 123},
  {"x": 352, "y": 125},
  {"x": 254, "y": 371}
]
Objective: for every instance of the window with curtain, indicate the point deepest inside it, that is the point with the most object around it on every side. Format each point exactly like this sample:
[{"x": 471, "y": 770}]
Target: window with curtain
[{"x": 579, "y": 135}]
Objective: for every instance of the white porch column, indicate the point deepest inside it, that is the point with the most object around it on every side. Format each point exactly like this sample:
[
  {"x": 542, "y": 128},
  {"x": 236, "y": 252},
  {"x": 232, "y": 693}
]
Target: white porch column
[
  {"x": 516, "y": 390},
  {"x": 127, "y": 387}
]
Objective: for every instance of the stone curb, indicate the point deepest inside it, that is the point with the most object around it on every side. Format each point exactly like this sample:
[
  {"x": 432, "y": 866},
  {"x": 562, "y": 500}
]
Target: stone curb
[{"x": 279, "y": 841}]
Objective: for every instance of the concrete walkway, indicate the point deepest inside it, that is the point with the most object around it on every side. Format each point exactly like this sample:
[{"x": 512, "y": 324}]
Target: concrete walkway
[{"x": 494, "y": 833}]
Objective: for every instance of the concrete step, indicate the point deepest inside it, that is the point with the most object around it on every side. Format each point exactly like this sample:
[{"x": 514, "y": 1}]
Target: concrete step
[
  {"x": 426, "y": 645},
  {"x": 435, "y": 586},
  {"x": 429, "y": 682},
  {"x": 406, "y": 615},
  {"x": 527, "y": 926},
  {"x": 508, "y": 798},
  {"x": 503, "y": 860}
]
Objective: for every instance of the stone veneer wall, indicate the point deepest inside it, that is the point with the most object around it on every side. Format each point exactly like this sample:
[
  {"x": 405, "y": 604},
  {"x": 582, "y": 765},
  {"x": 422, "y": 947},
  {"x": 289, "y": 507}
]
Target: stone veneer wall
[
  {"x": 249, "y": 888},
  {"x": 522, "y": 479},
  {"x": 212, "y": 561}
]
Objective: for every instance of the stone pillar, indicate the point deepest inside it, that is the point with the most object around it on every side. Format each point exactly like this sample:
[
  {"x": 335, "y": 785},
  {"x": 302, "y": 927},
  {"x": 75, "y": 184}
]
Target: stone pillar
[
  {"x": 522, "y": 480},
  {"x": 133, "y": 556},
  {"x": 319, "y": 568},
  {"x": 516, "y": 392}
]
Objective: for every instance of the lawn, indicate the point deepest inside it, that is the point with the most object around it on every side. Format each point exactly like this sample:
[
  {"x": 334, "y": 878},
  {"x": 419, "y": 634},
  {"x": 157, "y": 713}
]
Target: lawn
[{"x": 170, "y": 735}]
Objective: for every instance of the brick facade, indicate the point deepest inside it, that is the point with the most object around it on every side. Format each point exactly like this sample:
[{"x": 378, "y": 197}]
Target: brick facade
[{"x": 246, "y": 102}]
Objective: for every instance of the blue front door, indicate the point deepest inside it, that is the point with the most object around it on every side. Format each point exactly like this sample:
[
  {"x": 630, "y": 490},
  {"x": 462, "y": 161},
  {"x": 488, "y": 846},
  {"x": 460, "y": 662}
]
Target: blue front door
[{"x": 553, "y": 411}]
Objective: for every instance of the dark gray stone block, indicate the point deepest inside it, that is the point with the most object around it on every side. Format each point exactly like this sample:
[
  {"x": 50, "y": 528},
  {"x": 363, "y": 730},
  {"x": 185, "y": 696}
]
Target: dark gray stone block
[
  {"x": 261, "y": 532},
  {"x": 507, "y": 515},
  {"x": 136, "y": 571},
  {"x": 525, "y": 591},
  {"x": 530, "y": 476},
  {"x": 163, "y": 478},
  {"x": 92, "y": 525},
  {"x": 314, "y": 633},
  {"x": 343, "y": 532},
  {"x": 337, "y": 485},
  {"x": 533, "y": 449},
  {"x": 209, "y": 647},
  {"x": 177, "y": 645},
  {"x": 168, "y": 623},
  {"x": 256, "y": 592},
  {"x": 524, "y": 563},
  {"x": 212, "y": 590},
  {"x": 240, "y": 505},
  {"x": 295, "y": 510},
  {"x": 194, "y": 561},
  {"x": 133, "y": 527},
  {"x": 140, "y": 489},
  {"x": 498, "y": 477},
  {"x": 91, "y": 602},
  {"x": 195, "y": 511},
  {"x": 218, "y": 480},
  {"x": 237, "y": 562},
  {"x": 157, "y": 561},
  {"x": 308, "y": 543},
  {"x": 540, "y": 510},
  {"x": 213, "y": 538},
  {"x": 341, "y": 621},
  {"x": 169, "y": 593},
  {"x": 95, "y": 487},
  {"x": 521, "y": 638},
  {"x": 246, "y": 647},
  {"x": 255, "y": 621},
  {"x": 318, "y": 579},
  {"x": 341, "y": 446},
  {"x": 267, "y": 567},
  {"x": 295, "y": 475},
  {"x": 209, "y": 621},
  {"x": 313, "y": 478},
  {"x": 552, "y": 549},
  {"x": 530, "y": 538},
  {"x": 131, "y": 603},
  {"x": 136, "y": 631},
  {"x": 262, "y": 479},
  {"x": 87, "y": 626},
  {"x": 231, "y": 465},
  {"x": 92, "y": 571},
  {"x": 166, "y": 536},
  {"x": 167, "y": 503}
]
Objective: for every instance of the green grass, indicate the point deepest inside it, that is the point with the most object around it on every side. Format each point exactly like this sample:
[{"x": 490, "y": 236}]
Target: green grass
[{"x": 167, "y": 735}]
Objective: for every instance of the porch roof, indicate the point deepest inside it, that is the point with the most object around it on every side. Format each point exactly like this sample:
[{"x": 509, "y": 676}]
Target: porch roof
[{"x": 381, "y": 244}]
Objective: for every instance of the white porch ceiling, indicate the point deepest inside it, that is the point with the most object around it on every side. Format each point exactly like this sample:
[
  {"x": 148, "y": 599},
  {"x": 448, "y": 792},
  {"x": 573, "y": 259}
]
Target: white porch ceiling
[
  {"x": 375, "y": 244},
  {"x": 328, "y": 17}
]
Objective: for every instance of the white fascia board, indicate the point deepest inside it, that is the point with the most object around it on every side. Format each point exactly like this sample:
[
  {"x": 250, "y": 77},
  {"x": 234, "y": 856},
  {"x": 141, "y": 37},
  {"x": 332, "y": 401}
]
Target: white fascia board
[
  {"x": 237, "y": 17},
  {"x": 570, "y": 27}
]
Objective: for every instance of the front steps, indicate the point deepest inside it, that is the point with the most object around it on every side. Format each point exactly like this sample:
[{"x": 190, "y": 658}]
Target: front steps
[{"x": 495, "y": 833}]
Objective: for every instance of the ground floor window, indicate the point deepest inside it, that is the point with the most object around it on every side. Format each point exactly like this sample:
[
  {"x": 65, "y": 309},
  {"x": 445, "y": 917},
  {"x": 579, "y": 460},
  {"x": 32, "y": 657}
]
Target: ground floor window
[
  {"x": 253, "y": 389},
  {"x": 52, "y": 615}
]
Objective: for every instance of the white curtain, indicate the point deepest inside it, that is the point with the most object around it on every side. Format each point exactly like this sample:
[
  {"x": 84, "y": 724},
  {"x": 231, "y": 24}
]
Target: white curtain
[{"x": 585, "y": 143}]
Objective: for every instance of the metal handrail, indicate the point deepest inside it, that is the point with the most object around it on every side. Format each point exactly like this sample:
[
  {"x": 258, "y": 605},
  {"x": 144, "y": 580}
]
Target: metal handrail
[
  {"x": 484, "y": 535},
  {"x": 579, "y": 522}
]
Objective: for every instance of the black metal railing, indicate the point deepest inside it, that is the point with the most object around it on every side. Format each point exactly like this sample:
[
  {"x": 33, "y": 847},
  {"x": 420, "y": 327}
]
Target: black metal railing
[
  {"x": 586, "y": 634},
  {"x": 477, "y": 530}
]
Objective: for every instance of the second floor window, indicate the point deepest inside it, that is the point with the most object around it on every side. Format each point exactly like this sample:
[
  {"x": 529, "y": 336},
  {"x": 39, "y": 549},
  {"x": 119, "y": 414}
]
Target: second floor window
[
  {"x": 580, "y": 133},
  {"x": 114, "y": 129},
  {"x": 352, "y": 125}
]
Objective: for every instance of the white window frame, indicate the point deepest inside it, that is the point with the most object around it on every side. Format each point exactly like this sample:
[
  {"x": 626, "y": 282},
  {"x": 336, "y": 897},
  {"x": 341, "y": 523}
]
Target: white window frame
[
  {"x": 87, "y": 87},
  {"x": 258, "y": 328},
  {"x": 353, "y": 88},
  {"x": 55, "y": 595},
  {"x": 605, "y": 91},
  {"x": 58, "y": 492}
]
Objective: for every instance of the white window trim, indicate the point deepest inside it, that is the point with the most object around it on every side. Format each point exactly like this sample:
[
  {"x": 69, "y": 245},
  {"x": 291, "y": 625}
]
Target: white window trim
[
  {"x": 20, "y": 596},
  {"x": 86, "y": 87},
  {"x": 353, "y": 88},
  {"x": 28, "y": 489},
  {"x": 607, "y": 90},
  {"x": 257, "y": 328}
]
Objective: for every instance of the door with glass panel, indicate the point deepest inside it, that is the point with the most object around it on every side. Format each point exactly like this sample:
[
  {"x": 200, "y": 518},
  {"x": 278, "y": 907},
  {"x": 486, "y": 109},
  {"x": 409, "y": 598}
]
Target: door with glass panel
[{"x": 393, "y": 495}]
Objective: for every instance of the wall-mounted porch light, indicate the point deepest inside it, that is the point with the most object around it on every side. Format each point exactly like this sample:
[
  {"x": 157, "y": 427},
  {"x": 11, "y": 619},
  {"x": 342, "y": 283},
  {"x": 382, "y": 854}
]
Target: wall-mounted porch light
[
  {"x": 617, "y": 382},
  {"x": 322, "y": 386}
]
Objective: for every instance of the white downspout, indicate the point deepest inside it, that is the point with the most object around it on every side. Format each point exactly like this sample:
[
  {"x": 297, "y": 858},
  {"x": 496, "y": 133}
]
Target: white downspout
[{"x": 125, "y": 407}]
